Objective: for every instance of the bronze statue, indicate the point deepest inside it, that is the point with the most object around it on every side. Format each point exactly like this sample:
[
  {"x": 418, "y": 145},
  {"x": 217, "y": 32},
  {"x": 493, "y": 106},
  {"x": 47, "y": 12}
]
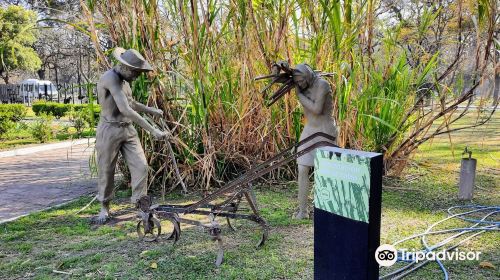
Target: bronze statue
[
  {"x": 315, "y": 96},
  {"x": 115, "y": 132}
]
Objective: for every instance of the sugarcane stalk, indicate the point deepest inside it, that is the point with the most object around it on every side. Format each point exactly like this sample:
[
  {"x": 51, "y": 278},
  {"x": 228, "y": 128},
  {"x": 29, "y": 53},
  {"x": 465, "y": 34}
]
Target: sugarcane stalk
[
  {"x": 171, "y": 153},
  {"x": 172, "y": 156}
]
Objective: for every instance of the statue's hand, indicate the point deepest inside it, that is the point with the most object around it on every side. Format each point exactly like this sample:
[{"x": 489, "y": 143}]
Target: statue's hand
[
  {"x": 283, "y": 64},
  {"x": 159, "y": 135},
  {"x": 275, "y": 69},
  {"x": 278, "y": 66}
]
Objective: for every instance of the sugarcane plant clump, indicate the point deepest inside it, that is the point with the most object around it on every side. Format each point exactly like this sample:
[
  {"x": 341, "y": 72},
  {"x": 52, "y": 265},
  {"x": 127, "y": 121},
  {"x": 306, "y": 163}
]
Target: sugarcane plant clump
[{"x": 396, "y": 83}]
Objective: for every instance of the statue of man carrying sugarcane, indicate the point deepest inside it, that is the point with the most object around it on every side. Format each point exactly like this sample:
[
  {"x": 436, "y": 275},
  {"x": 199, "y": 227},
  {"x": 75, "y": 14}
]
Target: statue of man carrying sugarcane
[
  {"x": 315, "y": 96},
  {"x": 115, "y": 132}
]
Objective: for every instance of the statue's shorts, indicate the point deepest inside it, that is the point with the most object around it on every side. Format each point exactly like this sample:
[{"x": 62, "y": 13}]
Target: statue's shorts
[{"x": 112, "y": 138}]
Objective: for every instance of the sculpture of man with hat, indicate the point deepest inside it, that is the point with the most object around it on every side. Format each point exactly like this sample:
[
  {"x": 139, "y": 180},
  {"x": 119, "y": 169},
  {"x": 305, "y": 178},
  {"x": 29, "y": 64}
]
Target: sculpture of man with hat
[{"x": 115, "y": 132}]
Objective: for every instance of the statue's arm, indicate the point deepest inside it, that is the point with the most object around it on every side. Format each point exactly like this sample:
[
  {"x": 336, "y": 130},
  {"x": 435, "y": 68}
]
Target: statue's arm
[
  {"x": 316, "y": 105},
  {"x": 138, "y": 106},
  {"x": 122, "y": 103}
]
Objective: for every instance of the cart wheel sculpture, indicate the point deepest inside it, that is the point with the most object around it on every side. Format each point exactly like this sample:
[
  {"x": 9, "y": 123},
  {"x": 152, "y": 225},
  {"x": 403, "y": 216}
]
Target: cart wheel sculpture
[
  {"x": 149, "y": 227},
  {"x": 265, "y": 232},
  {"x": 151, "y": 231},
  {"x": 176, "y": 230},
  {"x": 231, "y": 225},
  {"x": 214, "y": 231}
]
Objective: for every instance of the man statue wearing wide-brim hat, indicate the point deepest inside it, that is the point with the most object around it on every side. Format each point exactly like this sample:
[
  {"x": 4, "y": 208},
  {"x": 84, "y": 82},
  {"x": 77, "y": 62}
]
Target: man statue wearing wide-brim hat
[{"x": 115, "y": 132}]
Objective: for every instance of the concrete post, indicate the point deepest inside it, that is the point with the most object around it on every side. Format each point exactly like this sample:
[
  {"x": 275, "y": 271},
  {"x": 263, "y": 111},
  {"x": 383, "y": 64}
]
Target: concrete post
[{"x": 467, "y": 178}]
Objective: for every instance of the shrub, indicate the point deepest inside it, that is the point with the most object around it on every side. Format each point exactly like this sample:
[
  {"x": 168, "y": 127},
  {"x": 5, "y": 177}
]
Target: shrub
[
  {"x": 85, "y": 111},
  {"x": 77, "y": 117},
  {"x": 16, "y": 112},
  {"x": 41, "y": 129},
  {"x": 88, "y": 115},
  {"x": 38, "y": 107},
  {"x": 5, "y": 125},
  {"x": 9, "y": 115},
  {"x": 79, "y": 107},
  {"x": 59, "y": 110},
  {"x": 71, "y": 130},
  {"x": 19, "y": 130},
  {"x": 55, "y": 109}
]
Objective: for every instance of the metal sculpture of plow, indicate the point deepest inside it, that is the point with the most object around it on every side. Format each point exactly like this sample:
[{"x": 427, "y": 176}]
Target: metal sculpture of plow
[{"x": 233, "y": 194}]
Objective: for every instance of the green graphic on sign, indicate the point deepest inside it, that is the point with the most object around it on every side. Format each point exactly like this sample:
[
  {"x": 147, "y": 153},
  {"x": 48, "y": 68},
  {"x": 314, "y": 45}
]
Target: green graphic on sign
[{"x": 342, "y": 184}]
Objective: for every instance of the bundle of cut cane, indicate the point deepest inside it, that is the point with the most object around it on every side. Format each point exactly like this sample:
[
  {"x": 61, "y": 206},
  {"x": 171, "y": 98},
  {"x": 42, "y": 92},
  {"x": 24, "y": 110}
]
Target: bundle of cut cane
[{"x": 282, "y": 73}]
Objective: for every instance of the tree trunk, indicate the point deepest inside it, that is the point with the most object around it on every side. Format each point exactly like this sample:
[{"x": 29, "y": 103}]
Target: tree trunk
[
  {"x": 41, "y": 73},
  {"x": 57, "y": 84},
  {"x": 79, "y": 75},
  {"x": 496, "y": 89}
]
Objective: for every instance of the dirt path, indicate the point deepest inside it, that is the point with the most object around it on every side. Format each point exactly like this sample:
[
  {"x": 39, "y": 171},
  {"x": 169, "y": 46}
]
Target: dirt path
[{"x": 40, "y": 180}]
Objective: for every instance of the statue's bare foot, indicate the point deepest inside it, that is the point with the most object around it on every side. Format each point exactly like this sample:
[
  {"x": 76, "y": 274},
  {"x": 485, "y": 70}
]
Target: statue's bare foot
[
  {"x": 301, "y": 215},
  {"x": 103, "y": 216}
]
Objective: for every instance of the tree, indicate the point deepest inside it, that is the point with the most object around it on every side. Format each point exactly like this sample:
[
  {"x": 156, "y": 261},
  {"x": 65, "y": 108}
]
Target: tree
[
  {"x": 18, "y": 34},
  {"x": 67, "y": 55}
]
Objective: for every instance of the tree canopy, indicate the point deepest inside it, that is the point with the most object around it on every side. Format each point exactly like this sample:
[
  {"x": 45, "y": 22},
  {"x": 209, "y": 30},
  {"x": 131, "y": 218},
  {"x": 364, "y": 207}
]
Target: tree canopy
[{"x": 18, "y": 34}]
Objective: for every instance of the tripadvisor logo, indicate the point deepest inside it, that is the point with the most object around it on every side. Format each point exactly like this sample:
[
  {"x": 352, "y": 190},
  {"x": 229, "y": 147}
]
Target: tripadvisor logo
[{"x": 387, "y": 255}]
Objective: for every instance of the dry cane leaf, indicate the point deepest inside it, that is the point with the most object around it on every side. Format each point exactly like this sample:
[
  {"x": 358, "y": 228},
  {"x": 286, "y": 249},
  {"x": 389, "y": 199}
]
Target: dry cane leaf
[
  {"x": 143, "y": 253},
  {"x": 154, "y": 265},
  {"x": 485, "y": 264}
]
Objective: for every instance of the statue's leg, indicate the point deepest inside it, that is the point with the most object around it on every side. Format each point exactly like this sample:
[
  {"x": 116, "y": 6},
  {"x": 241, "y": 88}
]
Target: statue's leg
[
  {"x": 136, "y": 160},
  {"x": 303, "y": 182},
  {"x": 107, "y": 149},
  {"x": 104, "y": 214}
]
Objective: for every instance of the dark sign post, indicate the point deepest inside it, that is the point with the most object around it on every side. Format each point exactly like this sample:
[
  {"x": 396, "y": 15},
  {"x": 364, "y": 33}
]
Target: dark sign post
[{"x": 347, "y": 209}]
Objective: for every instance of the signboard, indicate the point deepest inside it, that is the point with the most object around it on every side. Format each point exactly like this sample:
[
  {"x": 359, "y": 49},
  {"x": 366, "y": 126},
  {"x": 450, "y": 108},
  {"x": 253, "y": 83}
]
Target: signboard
[{"x": 347, "y": 207}]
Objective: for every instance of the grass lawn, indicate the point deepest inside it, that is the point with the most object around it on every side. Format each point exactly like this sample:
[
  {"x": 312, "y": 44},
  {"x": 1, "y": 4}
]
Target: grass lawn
[{"x": 36, "y": 245}]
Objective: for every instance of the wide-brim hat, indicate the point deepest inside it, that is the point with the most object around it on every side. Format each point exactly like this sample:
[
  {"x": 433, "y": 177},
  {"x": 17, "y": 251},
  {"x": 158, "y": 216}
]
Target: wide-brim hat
[{"x": 132, "y": 59}]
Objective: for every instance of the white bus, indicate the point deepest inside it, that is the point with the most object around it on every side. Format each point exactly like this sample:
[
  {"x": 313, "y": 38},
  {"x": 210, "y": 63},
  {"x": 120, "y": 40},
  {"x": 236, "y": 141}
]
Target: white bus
[{"x": 33, "y": 89}]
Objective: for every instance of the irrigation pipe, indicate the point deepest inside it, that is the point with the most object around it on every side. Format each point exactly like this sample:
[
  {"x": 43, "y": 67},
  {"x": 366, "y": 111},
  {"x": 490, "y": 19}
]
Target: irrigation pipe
[{"x": 488, "y": 225}]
